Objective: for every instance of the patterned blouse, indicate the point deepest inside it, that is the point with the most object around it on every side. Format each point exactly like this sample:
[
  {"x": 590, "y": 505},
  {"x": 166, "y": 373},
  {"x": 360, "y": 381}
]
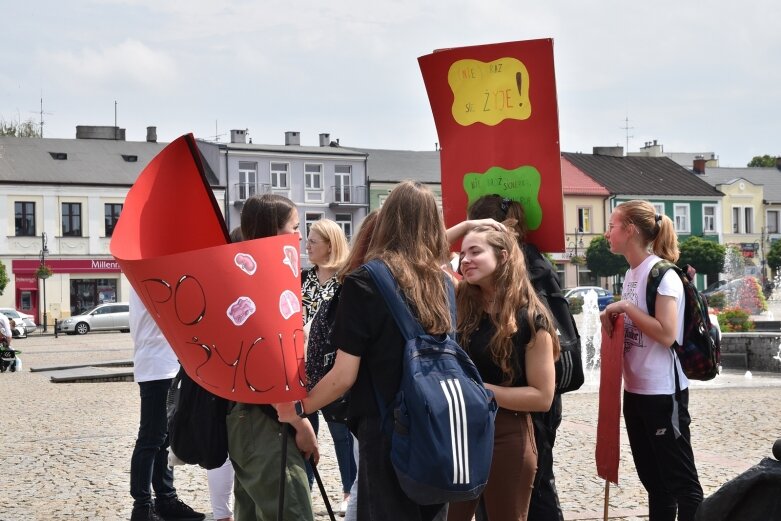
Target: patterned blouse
[{"x": 313, "y": 293}]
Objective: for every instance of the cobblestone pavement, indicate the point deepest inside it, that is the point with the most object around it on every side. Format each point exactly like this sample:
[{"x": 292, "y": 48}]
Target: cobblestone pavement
[{"x": 65, "y": 448}]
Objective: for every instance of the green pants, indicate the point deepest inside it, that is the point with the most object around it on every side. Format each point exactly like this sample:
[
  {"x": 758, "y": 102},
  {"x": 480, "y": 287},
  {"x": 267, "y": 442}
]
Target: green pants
[{"x": 255, "y": 448}]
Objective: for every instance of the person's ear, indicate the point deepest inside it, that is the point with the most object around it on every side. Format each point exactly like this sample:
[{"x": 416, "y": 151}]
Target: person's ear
[{"x": 504, "y": 256}]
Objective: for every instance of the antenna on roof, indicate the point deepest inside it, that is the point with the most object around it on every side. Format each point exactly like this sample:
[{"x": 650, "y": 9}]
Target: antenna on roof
[
  {"x": 41, "y": 113},
  {"x": 627, "y": 128},
  {"x": 216, "y": 137}
]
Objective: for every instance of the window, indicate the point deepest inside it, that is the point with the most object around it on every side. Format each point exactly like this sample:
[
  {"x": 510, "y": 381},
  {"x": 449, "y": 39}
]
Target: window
[
  {"x": 112, "y": 212},
  {"x": 71, "y": 219},
  {"x": 742, "y": 219},
  {"x": 342, "y": 188},
  {"x": 345, "y": 221},
  {"x": 584, "y": 220},
  {"x": 311, "y": 217},
  {"x": 772, "y": 221},
  {"x": 313, "y": 177},
  {"x": 681, "y": 213},
  {"x": 659, "y": 208},
  {"x": 709, "y": 218},
  {"x": 248, "y": 178},
  {"x": 24, "y": 218},
  {"x": 279, "y": 175}
]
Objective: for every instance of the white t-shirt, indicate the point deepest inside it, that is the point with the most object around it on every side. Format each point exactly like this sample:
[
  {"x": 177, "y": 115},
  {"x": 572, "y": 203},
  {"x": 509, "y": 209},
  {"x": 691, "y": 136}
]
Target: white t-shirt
[
  {"x": 648, "y": 365},
  {"x": 153, "y": 358}
]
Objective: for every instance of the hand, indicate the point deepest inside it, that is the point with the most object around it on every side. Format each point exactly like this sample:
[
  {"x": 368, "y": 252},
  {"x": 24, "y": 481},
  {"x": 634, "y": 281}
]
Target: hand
[
  {"x": 306, "y": 440},
  {"x": 609, "y": 315},
  {"x": 496, "y": 225},
  {"x": 287, "y": 412}
]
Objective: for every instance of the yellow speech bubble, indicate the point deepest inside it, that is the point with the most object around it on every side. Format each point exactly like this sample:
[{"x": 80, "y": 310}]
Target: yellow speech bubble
[{"x": 489, "y": 92}]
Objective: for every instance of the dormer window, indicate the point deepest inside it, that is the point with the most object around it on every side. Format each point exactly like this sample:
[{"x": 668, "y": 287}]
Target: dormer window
[
  {"x": 129, "y": 158},
  {"x": 60, "y": 156}
]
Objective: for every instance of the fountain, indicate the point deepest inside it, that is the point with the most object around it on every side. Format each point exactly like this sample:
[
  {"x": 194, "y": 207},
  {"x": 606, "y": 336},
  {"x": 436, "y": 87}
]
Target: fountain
[{"x": 591, "y": 337}]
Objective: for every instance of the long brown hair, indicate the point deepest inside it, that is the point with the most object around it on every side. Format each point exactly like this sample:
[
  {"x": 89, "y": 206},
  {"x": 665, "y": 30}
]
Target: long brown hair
[
  {"x": 264, "y": 215},
  {"x": 656, "y": 230},
  {"x": 513, "y": 291},
  {"x": 500, "y": 209},
  {"x": 410, "y": 238},
  {"x": 360, "y": 245}
]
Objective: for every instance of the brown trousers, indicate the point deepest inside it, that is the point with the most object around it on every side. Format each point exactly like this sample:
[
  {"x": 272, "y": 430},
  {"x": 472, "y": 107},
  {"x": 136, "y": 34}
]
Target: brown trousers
[{"x": 513, "y": 467}]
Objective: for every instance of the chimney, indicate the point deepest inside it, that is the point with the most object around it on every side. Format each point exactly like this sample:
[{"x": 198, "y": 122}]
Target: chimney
[
  {"x": 100, "y": 132},
  {"x": 239, "y": 136},
  {"x": 699, "y": 165},
  {"x": 325, "y": 140},
  {"x": 292, "y": 138},
  {"x": 151, "y": 134},
  {"x": 609, "y": 151}
]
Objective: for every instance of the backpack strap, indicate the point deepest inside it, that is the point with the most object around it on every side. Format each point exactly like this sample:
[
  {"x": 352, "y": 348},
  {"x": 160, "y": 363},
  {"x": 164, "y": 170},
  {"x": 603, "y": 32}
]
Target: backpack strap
[
  {"x": 389, "y": 289},
  {"x": 655, "y": 277}
]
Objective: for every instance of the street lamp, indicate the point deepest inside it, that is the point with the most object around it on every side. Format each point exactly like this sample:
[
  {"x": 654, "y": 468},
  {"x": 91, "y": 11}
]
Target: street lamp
[
  {"x": 44, "y": 251},
  {"x": 575, "y": 259}
]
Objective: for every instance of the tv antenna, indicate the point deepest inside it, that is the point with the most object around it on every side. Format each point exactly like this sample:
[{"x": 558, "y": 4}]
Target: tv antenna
[
  {"x": 626, "y": 128},
  {"x": 216, "y": 137},
  {"x": 41, "y": 113}
]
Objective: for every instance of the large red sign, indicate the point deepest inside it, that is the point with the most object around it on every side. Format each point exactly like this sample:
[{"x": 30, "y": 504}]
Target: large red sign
[
  {"x": 26, "y": 266},
  {"x": 496, "y": 116},
  {"x": 231, "y": 312}
]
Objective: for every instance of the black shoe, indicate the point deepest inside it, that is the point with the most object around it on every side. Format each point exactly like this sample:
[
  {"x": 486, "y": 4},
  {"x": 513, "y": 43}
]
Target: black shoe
[
  {"x": 175, "y": 509},
  {"x": 144, "y": 513}
]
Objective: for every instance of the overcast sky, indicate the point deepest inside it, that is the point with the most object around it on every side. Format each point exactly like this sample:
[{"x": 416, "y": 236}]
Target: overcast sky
[{"x": 698, "y": 76}]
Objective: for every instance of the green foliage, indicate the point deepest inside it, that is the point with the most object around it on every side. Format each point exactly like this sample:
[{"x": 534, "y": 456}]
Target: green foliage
[
  {"x": 3, "y": 278},
  {"x": 576, "y": 305},
  {"x": 24, "y": 129},
  {"x": 707, "y": 257},
  {"x": 735, "y": 319},
  {"x": 762, "y": 161},
  {"x": 602, "y": 262},
  {"x": 774, "y": 255},
  {"x": 43, "y": 272},
  {"x": 716, "y": 301}
]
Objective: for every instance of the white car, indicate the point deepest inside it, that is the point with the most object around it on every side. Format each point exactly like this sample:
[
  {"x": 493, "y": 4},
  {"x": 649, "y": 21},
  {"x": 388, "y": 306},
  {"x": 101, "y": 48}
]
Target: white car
[
  {"x": 104, "y": 317},
  {"x": 25, "y": 324}
]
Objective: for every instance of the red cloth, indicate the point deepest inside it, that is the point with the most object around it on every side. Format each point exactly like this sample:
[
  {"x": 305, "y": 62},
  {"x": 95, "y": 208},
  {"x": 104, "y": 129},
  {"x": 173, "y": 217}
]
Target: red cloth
[{"x": 608, "y": 449}]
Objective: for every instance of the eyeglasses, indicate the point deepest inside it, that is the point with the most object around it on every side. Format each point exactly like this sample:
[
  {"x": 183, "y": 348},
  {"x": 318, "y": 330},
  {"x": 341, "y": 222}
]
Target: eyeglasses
[
  {"x": 313, "y": 242},
  {"x": 610, "y": 226}
]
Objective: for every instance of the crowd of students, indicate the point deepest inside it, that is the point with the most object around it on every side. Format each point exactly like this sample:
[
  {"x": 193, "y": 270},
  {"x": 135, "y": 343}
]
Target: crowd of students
[{"x": 504, "y": 327}]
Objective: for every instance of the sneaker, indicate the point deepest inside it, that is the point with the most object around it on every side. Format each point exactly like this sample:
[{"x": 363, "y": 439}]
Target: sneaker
[
  {"x": 343, "y": 508},
  {"x": 175, "y": 509},
  {"x": 144, "y": 513}
]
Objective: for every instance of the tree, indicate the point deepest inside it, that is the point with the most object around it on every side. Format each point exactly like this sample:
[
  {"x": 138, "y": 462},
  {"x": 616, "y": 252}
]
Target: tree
[
  {"x": 602, "y": 262},
  {"x": 27, "y": 128},
  {"x": 774, "y": 256},
  {"x": 3, "y": 278},
  {"x": 707, "y": 257},
  {"x": 763, "y": 161}
]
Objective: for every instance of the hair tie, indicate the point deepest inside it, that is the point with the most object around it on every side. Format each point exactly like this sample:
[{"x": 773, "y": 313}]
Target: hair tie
[
  {"x": 505, "y": 205},
  {"x": 658, "y": 217}
]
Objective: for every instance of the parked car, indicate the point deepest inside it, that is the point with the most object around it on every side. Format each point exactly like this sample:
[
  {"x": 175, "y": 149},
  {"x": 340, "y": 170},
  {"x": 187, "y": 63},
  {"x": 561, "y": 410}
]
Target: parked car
[
  {"x": 604, "y": 297},
  {"x": 25, "y": 324},
  {"x": 104, "y": 317}
]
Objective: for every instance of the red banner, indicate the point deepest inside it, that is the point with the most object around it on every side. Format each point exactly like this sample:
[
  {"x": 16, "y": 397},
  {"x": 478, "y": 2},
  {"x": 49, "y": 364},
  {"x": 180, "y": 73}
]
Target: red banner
[
  {"x": 231, "y": 312},
  {"x": 608, "y": 450},
  {"x": 496, "y": 116}
]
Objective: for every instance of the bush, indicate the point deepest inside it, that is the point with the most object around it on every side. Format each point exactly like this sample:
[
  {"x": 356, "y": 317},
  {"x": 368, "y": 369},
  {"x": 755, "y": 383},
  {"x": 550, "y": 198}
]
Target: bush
[
  {"x": 576, "y": 305},
  {"x": 716, "y": 300},
  {"x": 735, "y": 319}
]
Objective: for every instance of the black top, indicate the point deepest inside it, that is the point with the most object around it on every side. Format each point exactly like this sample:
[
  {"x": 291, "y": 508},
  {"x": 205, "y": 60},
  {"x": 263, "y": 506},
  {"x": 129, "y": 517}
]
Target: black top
[
  {"x": 481, "y": 355},
  {"x": 365, "y": 327}
]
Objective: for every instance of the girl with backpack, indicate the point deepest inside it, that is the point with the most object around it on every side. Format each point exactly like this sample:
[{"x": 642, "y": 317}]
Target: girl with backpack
[
  {"x": 509, "y": 334},
  {"x": 656, "y": 394},
  {"x": 410, "y": 238}
]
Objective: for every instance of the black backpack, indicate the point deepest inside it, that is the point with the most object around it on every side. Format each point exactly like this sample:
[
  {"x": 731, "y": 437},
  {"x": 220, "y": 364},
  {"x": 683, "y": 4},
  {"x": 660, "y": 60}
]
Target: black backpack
[
  {"x": 569, "y": 366},
  {"x": 197, "y": 431}
]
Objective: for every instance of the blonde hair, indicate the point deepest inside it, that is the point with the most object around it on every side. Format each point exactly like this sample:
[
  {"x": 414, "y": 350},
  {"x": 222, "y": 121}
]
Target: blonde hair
[
  {"x": 410, "y": 238},
  {"x": 513, "y": 291},
  {"x": 333, "y": 234},
  {"x": 656, "y": 230}
]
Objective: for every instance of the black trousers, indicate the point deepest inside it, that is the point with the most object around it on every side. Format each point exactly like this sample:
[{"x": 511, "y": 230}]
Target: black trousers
[
  {"x": 658, "y": 430},
  {"x": 544, "y": 504}
]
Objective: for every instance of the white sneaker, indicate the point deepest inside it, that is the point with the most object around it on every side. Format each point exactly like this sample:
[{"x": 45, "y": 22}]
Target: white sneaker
[{"x": 343, "y": 508}]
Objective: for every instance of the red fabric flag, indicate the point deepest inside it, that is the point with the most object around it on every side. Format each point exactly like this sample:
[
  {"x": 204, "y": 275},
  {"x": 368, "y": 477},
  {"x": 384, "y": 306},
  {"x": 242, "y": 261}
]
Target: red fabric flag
[
  {"x": 231, "y": 312},
  {"x": 608, "y": 450},
  {"x": 496, "y": 116}
]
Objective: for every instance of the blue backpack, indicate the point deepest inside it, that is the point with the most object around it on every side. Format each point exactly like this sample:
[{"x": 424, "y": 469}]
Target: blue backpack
[{"x": 442, "y": 436}]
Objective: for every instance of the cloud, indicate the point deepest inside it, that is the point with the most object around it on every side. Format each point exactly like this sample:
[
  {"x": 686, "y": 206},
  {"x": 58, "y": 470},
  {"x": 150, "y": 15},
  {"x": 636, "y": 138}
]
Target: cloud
[{"x": 128, "y": 65}]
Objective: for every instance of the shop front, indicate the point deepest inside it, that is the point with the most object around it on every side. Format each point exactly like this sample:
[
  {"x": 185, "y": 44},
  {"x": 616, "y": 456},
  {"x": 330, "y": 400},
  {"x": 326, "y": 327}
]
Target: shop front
[{"x": 76, "y": 285}]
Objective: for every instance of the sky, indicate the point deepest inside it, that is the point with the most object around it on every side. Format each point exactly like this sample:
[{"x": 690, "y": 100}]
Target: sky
[{"x": 697, "y": 76}]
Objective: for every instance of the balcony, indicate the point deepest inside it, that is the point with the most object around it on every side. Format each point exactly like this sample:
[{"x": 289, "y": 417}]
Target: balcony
[
  {"x": 243, "y": 191},
  {"x": 347, "y": 196}
]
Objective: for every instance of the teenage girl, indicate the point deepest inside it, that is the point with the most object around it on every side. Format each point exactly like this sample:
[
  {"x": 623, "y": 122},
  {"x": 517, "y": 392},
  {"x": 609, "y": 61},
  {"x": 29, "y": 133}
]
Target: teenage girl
[{"x": 656, "y": 394}]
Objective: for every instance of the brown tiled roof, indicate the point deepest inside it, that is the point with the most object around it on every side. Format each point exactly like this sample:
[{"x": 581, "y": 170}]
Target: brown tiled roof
[
  {"x": 642, "y": 176},
  {"x": 575, "y": 182}
]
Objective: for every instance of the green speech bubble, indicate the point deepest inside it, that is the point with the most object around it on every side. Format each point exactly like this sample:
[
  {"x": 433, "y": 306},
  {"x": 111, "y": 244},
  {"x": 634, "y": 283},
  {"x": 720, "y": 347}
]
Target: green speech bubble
[{"x": 521, "y": 184}]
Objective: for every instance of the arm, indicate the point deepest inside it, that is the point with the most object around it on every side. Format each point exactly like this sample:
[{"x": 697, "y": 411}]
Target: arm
[
  {"x": 333, "y": 385},
  {"x": 459, "y": 230},
  {"x": 663, "y": 327},
  {"x": 540, "y": 376}
]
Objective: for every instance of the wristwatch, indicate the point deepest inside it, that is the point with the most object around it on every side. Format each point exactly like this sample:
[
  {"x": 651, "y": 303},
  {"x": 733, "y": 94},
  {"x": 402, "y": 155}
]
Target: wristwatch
[{"x": 299, "y": 406}]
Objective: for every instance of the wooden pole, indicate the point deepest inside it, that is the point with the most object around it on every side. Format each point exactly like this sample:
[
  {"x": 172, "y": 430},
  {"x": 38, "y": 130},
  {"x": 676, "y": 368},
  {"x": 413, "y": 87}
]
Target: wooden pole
[{"x": 607, "y": 500}]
